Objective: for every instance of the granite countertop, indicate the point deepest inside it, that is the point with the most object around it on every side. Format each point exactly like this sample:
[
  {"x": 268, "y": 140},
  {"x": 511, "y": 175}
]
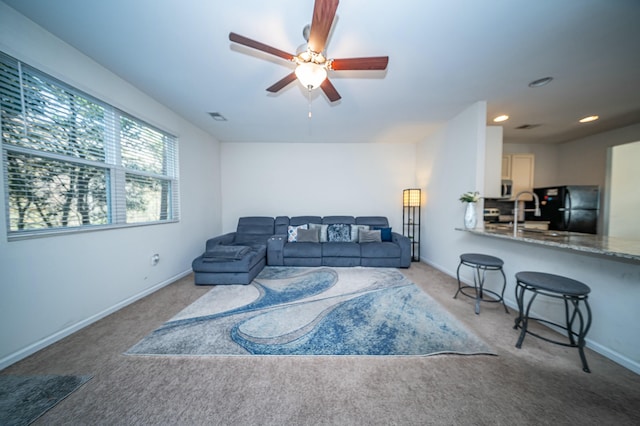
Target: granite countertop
[{"x": 594, "y": 244}]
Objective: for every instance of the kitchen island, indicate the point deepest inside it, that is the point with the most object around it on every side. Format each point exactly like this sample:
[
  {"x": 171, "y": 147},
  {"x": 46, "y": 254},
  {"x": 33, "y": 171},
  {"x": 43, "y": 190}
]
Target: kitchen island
[
  {"x": 586, "y": 243},
  {"x": 609, "y": 266}
]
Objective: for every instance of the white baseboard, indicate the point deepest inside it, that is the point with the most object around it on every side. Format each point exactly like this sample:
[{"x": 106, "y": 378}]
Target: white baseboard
[{"x": 49, "y": 340}]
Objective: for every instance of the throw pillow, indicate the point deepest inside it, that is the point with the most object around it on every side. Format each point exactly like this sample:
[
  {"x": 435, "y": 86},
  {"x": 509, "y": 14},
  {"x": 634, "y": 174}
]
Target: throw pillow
[
  {"x": 385, "y": 234},
  {"x": 322, "y": 229},
  {"x": 366, "y": 236},
  {"x": 354, "y": 231},
  {"x": 339, "y": 233},
  {"x": 308, "y": 236},
  {"x": 292, "y": 232}
]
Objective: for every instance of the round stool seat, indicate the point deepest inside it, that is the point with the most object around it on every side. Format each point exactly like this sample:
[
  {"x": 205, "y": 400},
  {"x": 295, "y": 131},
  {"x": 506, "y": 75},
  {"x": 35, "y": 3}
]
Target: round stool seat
[
  {"x": 482, "y": 259},
  {"x": 553, "y": 283}
]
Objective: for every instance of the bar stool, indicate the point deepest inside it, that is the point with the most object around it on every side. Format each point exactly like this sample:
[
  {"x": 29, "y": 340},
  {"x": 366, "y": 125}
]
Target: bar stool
[
  {"x": 571, "y": 291},
  {"x": 481, "y": 263}
]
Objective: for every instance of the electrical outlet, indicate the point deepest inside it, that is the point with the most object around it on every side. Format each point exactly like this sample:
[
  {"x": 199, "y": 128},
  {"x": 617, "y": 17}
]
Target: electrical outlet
[{"x": 155, "y": 259}]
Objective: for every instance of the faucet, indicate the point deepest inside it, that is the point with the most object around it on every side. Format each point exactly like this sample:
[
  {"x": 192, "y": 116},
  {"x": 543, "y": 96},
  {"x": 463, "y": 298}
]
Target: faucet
[{"x": 515, "y": 209}]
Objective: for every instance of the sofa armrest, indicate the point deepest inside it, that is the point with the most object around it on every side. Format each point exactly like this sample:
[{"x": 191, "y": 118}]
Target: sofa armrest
[
  {"x": 275, "y": 248},
  {"x": 405, "y": 248},
  {"x": 225, "y": 239}
]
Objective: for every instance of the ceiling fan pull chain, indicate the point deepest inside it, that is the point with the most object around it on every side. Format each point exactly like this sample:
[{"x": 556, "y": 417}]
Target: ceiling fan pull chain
[{"x": 309, "y": 92}]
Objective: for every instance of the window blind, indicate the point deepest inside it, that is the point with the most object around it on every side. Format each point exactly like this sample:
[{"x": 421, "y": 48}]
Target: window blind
[{"x": 72, "y": 161}]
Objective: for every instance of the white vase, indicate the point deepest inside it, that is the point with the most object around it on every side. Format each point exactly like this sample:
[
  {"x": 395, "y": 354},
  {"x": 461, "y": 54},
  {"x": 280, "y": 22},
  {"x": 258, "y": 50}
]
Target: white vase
[{"x": 470, "y": 216}]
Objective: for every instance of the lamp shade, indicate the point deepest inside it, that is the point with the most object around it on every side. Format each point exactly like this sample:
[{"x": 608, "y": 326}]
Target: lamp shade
[
  {"x": 311, "y": 75},
  {"x": 411, "y": 197}
]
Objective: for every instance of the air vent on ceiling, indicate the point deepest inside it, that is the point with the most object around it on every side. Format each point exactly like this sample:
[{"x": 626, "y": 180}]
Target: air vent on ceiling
[
  {"x": 217, "y": 116},
  {"x": 527, "y": 126}
]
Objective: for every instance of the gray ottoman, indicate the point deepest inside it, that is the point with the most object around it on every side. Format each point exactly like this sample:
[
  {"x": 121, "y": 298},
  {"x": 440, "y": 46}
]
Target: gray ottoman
[{"x": 211, "y": 270}]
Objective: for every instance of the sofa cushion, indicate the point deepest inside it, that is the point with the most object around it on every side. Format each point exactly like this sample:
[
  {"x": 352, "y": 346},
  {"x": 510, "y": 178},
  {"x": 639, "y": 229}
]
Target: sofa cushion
[
  {"x": 302, "y": 250},
  {"x": 322, "y": 230},
  {"x": 243, "y": 264},
  {"x": 301, "y": 220},
  {"x": 292, "y": 232},
  {"x": 281, "y": 224},
  {"x": 385, "y": 234},
  {"x": 349, "y": 220},
  {"x": 342, "y": 249},
  {"x": 339, "y": 233},
  {"x": 373, "y": 221},
  {"x": 380, "y": 250},
  {"x": 223, "y": 253},
  {"x": 355, "y": 230},
  {"x": 369, "y": 236},
  {"x": 308, "y": 235},
  {"x": 253, "y": 229}
]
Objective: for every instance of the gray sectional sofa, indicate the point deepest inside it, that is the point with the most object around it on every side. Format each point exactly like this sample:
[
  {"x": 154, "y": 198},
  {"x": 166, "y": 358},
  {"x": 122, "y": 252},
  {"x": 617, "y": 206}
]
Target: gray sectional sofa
[
  {"x": 328, "y": 251},
  {"x": 237, "y": 257}
]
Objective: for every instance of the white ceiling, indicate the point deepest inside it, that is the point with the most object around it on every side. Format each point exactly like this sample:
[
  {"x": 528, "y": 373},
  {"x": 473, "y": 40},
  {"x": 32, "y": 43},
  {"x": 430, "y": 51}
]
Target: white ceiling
[{"x": 444, "y": 56}]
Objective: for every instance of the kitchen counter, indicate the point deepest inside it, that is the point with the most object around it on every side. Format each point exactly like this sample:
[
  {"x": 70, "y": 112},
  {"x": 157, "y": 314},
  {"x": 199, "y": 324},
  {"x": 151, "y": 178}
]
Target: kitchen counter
[{"x": 594, "y": 244}]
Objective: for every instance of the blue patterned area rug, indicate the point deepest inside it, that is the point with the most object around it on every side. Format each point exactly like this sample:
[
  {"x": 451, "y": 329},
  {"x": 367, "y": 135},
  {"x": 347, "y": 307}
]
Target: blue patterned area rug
[{"x": 314, "y": 311}]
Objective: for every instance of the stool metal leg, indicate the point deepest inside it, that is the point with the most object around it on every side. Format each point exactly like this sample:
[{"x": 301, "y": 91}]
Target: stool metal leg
[
  {"x": 519, "y": 301},
  {"x": 504, "y": 286},
  {"x": 458, "y": 275},
  {"x": 525, "y": 320},
  {"x": 478, "y": 283},
  {"x": 582, "y": 330}
]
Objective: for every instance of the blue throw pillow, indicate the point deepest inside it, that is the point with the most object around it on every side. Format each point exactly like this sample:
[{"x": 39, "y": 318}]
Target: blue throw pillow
[
  {"x": 339, "y": 233},
  {"x": 385, "y": 234}
]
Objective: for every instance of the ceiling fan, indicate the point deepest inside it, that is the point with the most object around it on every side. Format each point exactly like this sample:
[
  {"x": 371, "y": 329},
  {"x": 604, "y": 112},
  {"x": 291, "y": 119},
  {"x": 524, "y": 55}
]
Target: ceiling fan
[{"x": 312, "y": 64}]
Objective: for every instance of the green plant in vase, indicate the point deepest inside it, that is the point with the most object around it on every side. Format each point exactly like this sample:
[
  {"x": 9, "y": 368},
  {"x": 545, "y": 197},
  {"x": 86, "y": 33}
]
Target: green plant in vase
[
  {"x": 470, "y": 197},
  {"x": 470, "y": 216}
]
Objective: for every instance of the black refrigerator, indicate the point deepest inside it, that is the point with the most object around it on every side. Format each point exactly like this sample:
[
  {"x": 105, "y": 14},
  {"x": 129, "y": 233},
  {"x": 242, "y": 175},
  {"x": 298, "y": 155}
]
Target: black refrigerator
[{"x": 568, "y": 208}]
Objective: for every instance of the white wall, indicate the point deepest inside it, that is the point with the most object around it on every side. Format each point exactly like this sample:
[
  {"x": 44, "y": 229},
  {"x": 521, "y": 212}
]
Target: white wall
[
  {"x": 280, "y": 179},
  {"x": 624, "y": 196},
  {"x": 447, "y": 166},
  {"x": 50, "y": 287}
]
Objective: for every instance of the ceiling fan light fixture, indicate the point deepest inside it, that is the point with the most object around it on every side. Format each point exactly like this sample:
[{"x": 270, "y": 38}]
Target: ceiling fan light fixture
[
  {"x": 588, "y": 119},
  {"x": 500, "y": 118},
  {"x": 311, "y": 75}
]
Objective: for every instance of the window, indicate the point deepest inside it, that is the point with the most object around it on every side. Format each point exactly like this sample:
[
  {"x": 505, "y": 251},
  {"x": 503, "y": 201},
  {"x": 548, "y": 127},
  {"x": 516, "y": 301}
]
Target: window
[{"x": 72, "y": 162}]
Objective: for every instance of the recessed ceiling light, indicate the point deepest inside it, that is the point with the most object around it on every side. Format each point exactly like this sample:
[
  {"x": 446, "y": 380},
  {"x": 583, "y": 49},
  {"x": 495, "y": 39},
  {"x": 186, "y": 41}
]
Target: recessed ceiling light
[
  {"x": 500, "y": 118},
  {"x": 589, "y": 118},
  {"x": 540, "y": 82}
]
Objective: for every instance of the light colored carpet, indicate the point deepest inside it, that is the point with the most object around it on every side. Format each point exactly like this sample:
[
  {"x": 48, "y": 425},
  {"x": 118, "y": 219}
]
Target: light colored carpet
[
  {"x": 314, "y": 311},
  {"x": 540, "y": 384}
]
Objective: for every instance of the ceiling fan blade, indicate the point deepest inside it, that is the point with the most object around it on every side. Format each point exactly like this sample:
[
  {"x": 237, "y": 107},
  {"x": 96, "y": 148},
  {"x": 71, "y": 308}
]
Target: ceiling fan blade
[
  {"x": 237, "y": 38},
  {"x": 281, "y": 84},
  {"x": 370, "y": 63},
  {"x": 323, "y": 13},
  {"x": 329, "y": 90}
]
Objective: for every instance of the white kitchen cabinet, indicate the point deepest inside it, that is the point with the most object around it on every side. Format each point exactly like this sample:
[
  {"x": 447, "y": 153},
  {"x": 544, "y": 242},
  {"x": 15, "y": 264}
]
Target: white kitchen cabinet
[
  {"x": 506, "y": 167},
  {"x": 519, "y": 169}
]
